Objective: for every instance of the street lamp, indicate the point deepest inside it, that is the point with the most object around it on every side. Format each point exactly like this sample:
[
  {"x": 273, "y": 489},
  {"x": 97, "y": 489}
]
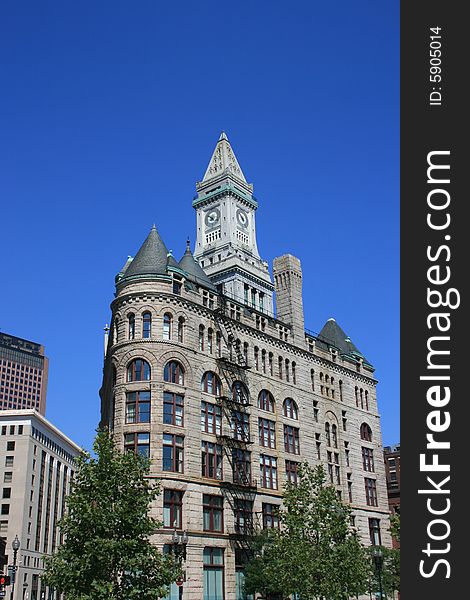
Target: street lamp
[
  {"x": 179, "y": 541},
  {"x": 16, "y": 546},
  {"x": 378, "y": 560}
]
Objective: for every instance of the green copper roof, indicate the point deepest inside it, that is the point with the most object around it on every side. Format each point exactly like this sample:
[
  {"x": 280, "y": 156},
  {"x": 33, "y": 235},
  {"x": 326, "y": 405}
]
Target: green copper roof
[
  {"x": 151, "y": 259},
  {"x": 333, "y": 335},
  {"x": 194, "y": 270}
]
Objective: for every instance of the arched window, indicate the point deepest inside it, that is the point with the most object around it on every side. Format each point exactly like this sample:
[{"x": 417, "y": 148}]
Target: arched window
[
  {"x": 138, "y": 370},
  {"x": 146, "y": 325},
  {"x": 367, "y": 399},
  {"x": 334, "y": 435},
  {"x": 181, "y": 330},
  {"x": 167, "y": 320},
  {"x": 210, "y": 383},
  {"x": 366, "y": 432},
  {"x": 327, "y": 434},
  {"x": 245, "y": 352},
  {"x": 290, "y": 409},
  {"x": 218, "y": 343},
  {"x": 210, "y": 340},
  {"x": 256, "y": 355},
  {"x": 340, "y": 390},
  {"x": 356, "y": 389},
  {"x": 287, "y": 369},
  {"x": 116, "y": 331},
  {"x": 131, "y": 323},
  {"x": 240, "y": 393},
  {"x": 201, "y": 337},
  {"x": 312, "y": 378},
  {"x": 266, "y": 401},
  {"x": 294, "y": 374},
  {"x": 174, "y": 372}
]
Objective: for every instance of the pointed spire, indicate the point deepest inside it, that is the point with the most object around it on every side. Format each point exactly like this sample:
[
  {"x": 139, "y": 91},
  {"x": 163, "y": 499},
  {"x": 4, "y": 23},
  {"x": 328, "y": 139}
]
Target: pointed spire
[
  {"x": 152, "y": 257},
  {"x": 223, "y": 159},
  {"x": 333, "y": 335},
  {"x": 193, "y": 269}
]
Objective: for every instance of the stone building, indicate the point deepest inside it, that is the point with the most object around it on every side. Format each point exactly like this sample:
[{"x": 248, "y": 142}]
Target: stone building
[
  {"x": 226, "y": 396},
  {"x": 392, "y": 473},
  {"x": 36, "y": 467}
]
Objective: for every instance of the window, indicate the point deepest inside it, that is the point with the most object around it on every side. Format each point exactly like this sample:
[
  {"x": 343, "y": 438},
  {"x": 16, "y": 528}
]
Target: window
[
  {"x": 366, "y": 432},
  {"x": 138, "y": 370},
  {"x": 201, "y": 338},
  {"x": 173, "y": 408},
  {"x": 243, "y": 516},
  {"x": 5, "y": 509},
  {"x": 9, "y": 460},
  {"x": 334, "y": 435},
  {"x": 266, "y": 401},
  {"x": 211, "y": 418},
  {"x": 291, "y": 439},
  {"x": 213, "y": 559},
  {"x": 174, "y": 372},
  {"x": 280, "y": 367},
  {"x": 173, "y": 453},
  {"x": 367, "y": 399},
  {"x": 270, "y": 516},
  {"x": 210, "y": 340},
  {"x": 287, "y": 369},
  {"x": 211, "y": 384},
  {"x": 374, "y": 532},
  {"x": 267, "y": 433},
  {"x": 211, "y": 460},
  {"x": 138, "y": 443},
  {"x": 218, "y": 343},
  {"x": 312, "y": 379},
  {"x": 350, "y": 494},
  {"x": 10, "y": 446},
  {"x": 131, "y": 323},
  {"x": 268, "y": 471},
  {"x": 371, "y": 492},
  {"x": 240, "y": 393},
  {"x": 172, "y": 509},
  {"x": 7, "y": 477},
  {"x": 213, "y": 513},
  {"x": 327, "y": 434},
  {"x": 340, "y": 390},
  {"x": 6, "y": 493},
  {"x": 294, "y": 373},
  {"x": 181, "y": 330},
  {"x": 167, "y": 323},
  {"x": 241, "y": 465},
  {"x": 138, "y": 407},
  {"x": 291, "y": 471},
  {"x": 271, "y": 364},
  {"x": 240, "y": 426},
  {"x": 146, "y": 325},
  {"x": 368, "y": 459},
  {"x": 290, "y": 409}
]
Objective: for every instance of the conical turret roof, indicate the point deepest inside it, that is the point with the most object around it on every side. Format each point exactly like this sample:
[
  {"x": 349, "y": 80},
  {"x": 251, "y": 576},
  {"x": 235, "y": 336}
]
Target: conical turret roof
[
  {"x": 151, "y": 259},
  {"x": 333, "y": 335},
  {"x": 194, "y": 270}
]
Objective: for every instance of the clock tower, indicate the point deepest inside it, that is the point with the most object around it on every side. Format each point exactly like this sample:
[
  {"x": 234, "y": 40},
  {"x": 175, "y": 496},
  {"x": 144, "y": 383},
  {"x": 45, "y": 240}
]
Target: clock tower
[{"x": 226, "y": 232}]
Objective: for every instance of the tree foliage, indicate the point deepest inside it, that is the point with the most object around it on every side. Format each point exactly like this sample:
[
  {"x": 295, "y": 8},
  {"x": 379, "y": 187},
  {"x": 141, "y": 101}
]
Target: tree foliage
[
  {"x": 107, "y": 553},
  {"x": 315, "y": 553}
]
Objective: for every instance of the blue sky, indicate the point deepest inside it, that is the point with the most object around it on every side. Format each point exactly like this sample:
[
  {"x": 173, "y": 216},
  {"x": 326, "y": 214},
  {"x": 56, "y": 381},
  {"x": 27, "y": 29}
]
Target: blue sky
[{"x": 109, "y": 114}]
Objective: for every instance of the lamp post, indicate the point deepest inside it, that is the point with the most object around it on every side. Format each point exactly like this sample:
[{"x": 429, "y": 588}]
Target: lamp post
[
  {"x": 378, "y": 560},
  {"x": 179, "y": 541},
  {"x": 16, "y": 546}
]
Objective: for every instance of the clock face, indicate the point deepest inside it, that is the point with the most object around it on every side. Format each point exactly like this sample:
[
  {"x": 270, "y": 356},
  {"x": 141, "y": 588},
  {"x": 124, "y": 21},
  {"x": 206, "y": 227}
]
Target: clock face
[
  {"x": 242, "y": 217},
  {"x": 212, "y": 217}
]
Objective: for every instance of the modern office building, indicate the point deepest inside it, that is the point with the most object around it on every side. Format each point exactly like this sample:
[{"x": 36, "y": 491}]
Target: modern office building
[
  {"x": 228, "y": 396},
  {"x": 36, "y": 467},
  {"x": 23, "y": 374}
]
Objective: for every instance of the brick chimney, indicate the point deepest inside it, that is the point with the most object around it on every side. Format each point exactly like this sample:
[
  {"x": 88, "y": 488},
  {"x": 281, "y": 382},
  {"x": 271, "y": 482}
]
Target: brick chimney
[{"x": 288, "y": 285}]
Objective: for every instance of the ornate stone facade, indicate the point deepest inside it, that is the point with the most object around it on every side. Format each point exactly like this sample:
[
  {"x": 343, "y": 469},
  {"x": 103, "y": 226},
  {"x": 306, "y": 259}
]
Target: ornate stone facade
[{"x": 275, "y": 396}]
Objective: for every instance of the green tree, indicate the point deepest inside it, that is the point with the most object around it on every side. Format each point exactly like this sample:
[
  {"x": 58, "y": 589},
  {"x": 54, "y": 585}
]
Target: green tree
[
  {"x": 315, "y": 553},
  {"x": 107, "y": 553}
]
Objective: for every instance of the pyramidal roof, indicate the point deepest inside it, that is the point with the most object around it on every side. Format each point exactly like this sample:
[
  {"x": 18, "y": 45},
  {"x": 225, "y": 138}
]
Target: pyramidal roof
[
  {"x": 333, "y": 335},
  {"x": 151, "y": 259},
  {"x": 194, "y": 270},
  {"x": 223, "y": 159}
]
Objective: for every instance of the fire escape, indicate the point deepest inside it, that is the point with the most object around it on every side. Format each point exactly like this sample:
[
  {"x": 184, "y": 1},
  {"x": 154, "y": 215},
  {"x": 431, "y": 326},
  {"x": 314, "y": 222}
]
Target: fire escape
[{"x": 239, "y": 488}]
